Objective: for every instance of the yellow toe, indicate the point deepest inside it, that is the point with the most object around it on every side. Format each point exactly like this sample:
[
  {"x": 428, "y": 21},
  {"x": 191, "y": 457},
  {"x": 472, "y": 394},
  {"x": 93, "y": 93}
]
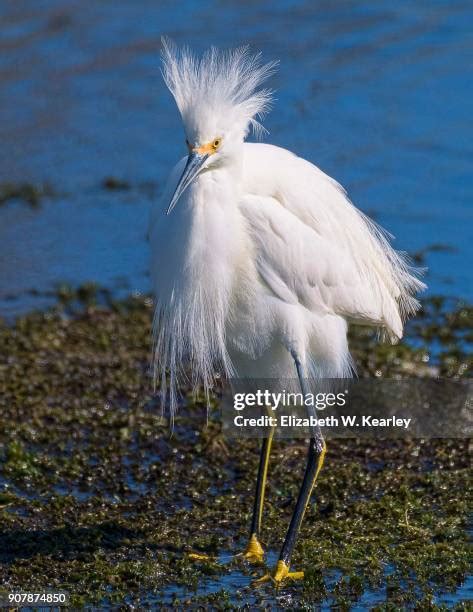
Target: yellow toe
[
  {"x": 281, "y": 573},
  {"x": 295, "y": 576},
  {"x": 200, "y": 557},
  {"x": 254, "y": 552},
  {"x": 259, "y": 581}
]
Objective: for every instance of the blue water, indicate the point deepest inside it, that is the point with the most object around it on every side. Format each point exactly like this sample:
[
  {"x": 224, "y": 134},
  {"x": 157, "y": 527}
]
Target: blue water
[
  {"x": 237, "y": 586},
  {"x": 377, "y": 94}
]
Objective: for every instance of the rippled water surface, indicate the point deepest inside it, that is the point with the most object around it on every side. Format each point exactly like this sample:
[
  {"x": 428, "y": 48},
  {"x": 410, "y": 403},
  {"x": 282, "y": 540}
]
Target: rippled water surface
[{"x": 377, "y": 94}]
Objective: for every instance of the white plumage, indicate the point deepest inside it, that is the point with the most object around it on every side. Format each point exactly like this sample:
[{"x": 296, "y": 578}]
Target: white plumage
[{"x": 263, "y": 257}]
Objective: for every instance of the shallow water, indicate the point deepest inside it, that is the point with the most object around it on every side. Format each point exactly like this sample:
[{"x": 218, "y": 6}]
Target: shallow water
[
  {"x": 240, "y": 592},
  {"x": 378, "y": 95}
]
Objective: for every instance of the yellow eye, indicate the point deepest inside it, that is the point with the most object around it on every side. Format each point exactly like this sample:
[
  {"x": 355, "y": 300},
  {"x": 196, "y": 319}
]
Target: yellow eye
[{"x": 216, "y": 143}]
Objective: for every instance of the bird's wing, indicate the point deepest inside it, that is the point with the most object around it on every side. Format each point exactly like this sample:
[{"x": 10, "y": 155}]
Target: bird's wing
[
  {"x": 298, "y": 265},
  {"x": 314, "y": 247}
]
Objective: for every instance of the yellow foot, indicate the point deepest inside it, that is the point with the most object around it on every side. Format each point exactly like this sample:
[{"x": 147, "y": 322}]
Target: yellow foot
[
  {"x": 201, "y": 557},
  {"x": 281, "y": 573},
  {"x": 254, "y": 552}
]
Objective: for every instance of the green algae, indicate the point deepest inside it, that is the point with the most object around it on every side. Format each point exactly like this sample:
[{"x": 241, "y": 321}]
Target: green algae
[{"x": 98, "y": 499}]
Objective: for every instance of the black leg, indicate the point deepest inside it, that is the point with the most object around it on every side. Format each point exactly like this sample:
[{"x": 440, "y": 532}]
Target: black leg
[
  {"x": 315, "y": 461},
  {"x": 260, "y": 486},
  {"x": 254, "y": 551}
]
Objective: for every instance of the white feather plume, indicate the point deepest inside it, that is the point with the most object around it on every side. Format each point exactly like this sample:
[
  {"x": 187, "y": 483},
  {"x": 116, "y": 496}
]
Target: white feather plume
[{"x": 220, "y": 85}]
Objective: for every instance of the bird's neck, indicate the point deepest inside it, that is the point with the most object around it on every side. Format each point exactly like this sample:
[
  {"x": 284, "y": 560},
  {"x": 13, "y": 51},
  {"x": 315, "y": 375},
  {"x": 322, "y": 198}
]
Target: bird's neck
[
  {"x": 230, "y": 169},
  {"x": 216, "y": 230},
  {"x": 218, "y": 188}
]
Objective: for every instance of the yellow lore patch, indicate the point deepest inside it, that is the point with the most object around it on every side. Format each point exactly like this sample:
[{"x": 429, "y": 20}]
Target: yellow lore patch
[{"x": 206, "y": 149}]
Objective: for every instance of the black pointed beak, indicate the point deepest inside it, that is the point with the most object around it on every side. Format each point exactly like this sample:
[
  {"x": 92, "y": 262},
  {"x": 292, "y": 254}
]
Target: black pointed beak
[{"x": 195, "y": 161}]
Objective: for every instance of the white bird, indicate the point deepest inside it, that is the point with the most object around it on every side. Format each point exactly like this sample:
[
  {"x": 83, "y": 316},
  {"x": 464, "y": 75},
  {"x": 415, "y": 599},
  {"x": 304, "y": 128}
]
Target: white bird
[{"x": 259, "y": 259}]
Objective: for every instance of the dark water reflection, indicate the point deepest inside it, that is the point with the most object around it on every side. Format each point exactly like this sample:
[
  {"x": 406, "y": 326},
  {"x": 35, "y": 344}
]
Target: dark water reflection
[{"x": 377, "y": 94}]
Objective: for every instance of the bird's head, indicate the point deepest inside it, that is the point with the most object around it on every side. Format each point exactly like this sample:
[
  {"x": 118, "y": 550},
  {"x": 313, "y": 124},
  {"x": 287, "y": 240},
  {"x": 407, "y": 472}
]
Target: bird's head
[{"x": 219, "y": 100}]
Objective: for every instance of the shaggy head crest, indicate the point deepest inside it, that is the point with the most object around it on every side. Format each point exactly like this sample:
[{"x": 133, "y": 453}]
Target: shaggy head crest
[{"x": 218, "y": 92}]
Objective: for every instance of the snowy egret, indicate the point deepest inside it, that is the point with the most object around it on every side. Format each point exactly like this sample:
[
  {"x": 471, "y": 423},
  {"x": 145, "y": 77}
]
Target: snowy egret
[{"x": 259, "y": 259}]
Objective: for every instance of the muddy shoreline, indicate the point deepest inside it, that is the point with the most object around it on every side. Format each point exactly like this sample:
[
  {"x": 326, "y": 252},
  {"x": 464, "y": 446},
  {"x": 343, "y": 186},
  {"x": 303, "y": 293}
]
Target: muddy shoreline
[{"x": 98, "y": 499}]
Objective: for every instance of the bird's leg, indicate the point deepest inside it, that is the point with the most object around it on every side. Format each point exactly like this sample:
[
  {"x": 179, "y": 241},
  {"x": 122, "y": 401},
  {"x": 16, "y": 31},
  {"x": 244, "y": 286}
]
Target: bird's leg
[
  {"x": 254, "y": 552},
  {"x": 315, "y": 460}
]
